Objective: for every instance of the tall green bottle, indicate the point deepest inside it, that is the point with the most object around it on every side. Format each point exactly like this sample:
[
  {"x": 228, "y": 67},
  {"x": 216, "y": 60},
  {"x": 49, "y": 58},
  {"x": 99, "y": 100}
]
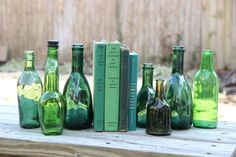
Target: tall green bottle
[
  {"x": 79, "y": 109},
  {"x": 145, "y": 95},
  {"x": 29, "y": 90},
  {"x": 178, "y": 93},
  {"x": 205, "y": 93},
  {"x": 52, "y": 103}
]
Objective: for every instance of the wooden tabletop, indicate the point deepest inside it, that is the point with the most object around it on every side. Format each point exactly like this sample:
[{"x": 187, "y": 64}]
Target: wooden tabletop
[{"x": 193, "y": 142}]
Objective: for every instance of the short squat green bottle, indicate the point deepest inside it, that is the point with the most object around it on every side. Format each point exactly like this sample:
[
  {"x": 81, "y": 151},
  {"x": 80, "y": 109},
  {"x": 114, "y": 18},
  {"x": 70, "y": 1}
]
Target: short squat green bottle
[
  {"x": 145, "y": 95},
  {"x": 29, "y": 90},
  {"x": 158, "y": 113},
  {"x": 205, "y": 93},
  {"x": 178, "y": 93},
  {"x": 79, "y": 109},
  {"x": 52, "y": 103}
]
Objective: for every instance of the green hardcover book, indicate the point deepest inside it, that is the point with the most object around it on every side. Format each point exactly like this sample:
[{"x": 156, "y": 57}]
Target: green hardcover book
[
  {"x": 99, "y": 54},
  {"x": 112, "y": 84},
  {"x": 133, "y": 75},
  {"x": 124, "y": 88}
]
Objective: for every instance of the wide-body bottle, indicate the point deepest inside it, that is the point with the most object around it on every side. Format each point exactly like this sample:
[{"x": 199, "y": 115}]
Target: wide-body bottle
[
  {"x": 145, "y": 95},
  {"x": 79, "y": 109},
  {"x": 205, "y": 93},
  {"x": 52, "y": 103},
  {"x": 178, "y": 93},
  {"x": 29, "y": 90},
  {"x": 158, "y": 113}
]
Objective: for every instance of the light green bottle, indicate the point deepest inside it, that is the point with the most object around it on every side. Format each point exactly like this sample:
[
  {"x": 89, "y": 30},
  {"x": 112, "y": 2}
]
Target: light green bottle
[
  {"x": 205, "y": 93},
  {"x": 52, "y": 103},
  {"x": 29, "y": 90}
]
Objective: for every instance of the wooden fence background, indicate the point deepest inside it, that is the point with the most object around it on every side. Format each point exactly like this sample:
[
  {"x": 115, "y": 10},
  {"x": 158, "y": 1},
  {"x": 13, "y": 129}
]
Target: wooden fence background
[{"x": 150, "y": 27}]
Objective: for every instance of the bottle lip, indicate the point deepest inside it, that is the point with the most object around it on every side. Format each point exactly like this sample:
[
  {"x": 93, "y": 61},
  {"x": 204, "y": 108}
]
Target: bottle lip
[
  {"x": 29, "y": 54},
  {"x": 78, "y": 45},
  {"x": 53, "y": 43},
  {"x": 207, "y": 52},
  {"x": 160, "y": 79},
  {"x": 148, "y": 65},
  {"x": 178, "y": 49}
]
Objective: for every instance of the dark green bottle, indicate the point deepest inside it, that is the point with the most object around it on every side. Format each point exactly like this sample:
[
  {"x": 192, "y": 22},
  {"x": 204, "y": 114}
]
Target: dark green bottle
[
  {"x": 158, "y": 113},
  {"x": 205, "y": 93},
  {"x": 29, "y": 90},
  {"x": 145, "y": 95},
  {"x": 52, "y": 103},
  {"x": 79, "y": 109},
  {"x": 178, "y": 93}
]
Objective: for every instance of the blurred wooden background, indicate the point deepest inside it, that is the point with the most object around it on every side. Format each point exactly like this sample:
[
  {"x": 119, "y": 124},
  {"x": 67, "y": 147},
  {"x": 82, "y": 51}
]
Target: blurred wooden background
[{"x": 150, "y": 27}]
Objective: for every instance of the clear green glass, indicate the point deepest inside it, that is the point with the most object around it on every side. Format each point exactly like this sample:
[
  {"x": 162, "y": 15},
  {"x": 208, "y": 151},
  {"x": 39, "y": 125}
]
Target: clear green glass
[
  {"x": 145, "y": 95},
  {"x": 158, "y": 113},
  {"x": 178, "y": 93},
  {"x": 205, "y": 93},
  {"x": 52, "y": 103},
  {"x": 29, "y": 90},
  {"x": 79, "y": 109}
]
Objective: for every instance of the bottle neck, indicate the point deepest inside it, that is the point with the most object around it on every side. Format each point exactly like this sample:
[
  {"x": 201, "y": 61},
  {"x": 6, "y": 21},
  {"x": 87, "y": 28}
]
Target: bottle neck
[
  {"x": 178, "y": 63},
  {"x": 77, "y": 61},
  {"x": 207, "y": 62},
  {"x": 148, "y": 77},
  {"x": 159, "y": 89},
  {"x": 29, "y": 65}
]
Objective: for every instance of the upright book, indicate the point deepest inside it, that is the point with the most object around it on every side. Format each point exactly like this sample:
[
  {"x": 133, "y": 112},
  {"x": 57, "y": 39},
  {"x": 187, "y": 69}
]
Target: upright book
[
  {"x": 133, "y": 71},
  {"x": 124, "y": 88},
  {"x": 112, "y": 85},
  {"x": 99, "y": 62}
]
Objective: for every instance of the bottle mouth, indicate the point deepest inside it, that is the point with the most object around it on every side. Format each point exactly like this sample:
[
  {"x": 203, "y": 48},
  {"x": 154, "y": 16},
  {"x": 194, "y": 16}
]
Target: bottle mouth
[
  {"x": 178, "y": 49},
  {"x": 78, "y": 45},
  {"x": 148, "y": 65}
]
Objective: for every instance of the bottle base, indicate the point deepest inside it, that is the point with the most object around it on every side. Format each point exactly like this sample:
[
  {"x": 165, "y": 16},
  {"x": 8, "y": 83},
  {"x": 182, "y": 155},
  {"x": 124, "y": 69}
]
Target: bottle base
[
  {"x": 29, "y": 126},
  {"x": 205, "y": 124},
  {"x": 159, "y": 132}
]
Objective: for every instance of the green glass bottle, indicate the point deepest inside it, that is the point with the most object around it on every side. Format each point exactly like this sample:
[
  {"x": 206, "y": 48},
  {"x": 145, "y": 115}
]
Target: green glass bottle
[
  {"x": 145, "y": 95},
  {"x": 52, "y": 103},
  {"x": 79, "y": 109},
  {"x": 205, "y": 93},
  {"x": 29, "y": 90},
  {"x": 178, "y": 93},
  {"x": 158, "y": 113}
]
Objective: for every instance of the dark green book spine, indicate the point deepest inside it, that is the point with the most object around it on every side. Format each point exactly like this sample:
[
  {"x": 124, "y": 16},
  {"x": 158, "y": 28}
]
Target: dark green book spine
[
  {"x": 99, "y": 54},
  {"x": 112, "y": 86},
  {"x": 124, "y": 89},
  {"x": 133, "y": 68}
]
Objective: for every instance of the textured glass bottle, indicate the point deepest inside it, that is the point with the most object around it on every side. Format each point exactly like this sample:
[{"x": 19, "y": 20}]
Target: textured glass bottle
[
  {"x": 178, "y": 93},
  {"x": 29, "y": 90},
  {"x": 79, "y": 111},
  {"x": 145, "y": 95},
  {"x": 52, "y": 103},
  {"x": 158, "y": 113},
  {"x": 205, "y": 93}
]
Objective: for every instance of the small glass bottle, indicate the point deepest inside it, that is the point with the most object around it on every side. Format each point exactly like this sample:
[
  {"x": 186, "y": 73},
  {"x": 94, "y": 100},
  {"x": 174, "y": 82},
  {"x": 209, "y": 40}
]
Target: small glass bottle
[
  {"x": 52, "y": 103},
  {"x": 158, "y": 113},
  {"x": 145, "y": 95},
  {"x": 29, "y": 90},
  {"x": 79, "y": 109},
  {"x": 205, "y": 93},
  {"x": 178, "y": 93}
]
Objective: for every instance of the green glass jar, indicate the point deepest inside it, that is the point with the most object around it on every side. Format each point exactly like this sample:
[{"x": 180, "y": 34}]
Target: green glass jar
[
  {"x": 52, "y": 103},
  {"x": 178, "y": 93},
  {"x": 29, "y": 90},
  {"x": 79, "y": 109},
  {"x": 205, "y": 93},
  {"x": 145, "y": 95},
  {"x": 158, "y": 113}
]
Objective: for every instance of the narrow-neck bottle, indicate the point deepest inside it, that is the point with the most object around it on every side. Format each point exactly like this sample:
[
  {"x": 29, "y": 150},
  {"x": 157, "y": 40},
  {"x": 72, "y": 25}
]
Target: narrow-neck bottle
[
  {"x": 205, "y": 93},
  {"x": 29, "y": 90},
  {"x": 52, "y": 103},
  {"x": 79, "y": 110},
  {"x": 178, "y": 93},
  {"x": 158, "y": 113},
  {"x": 145, "y": 95}
]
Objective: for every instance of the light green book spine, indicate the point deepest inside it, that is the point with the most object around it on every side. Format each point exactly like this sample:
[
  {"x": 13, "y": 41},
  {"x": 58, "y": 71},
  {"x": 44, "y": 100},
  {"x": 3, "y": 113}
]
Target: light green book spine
[{"x": 112, "y": 85}]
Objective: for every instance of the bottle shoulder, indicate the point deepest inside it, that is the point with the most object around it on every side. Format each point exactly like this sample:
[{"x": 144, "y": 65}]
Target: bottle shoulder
[
  {"x": 28, "y": 78},
  {"x": 52, "y": 95},
  {"x": 206, "y": 76}
]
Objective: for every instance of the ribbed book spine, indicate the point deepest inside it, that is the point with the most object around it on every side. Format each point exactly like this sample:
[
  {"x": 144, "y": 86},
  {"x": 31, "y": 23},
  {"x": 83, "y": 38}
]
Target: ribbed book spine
[
  {"x": 112, "y": 86},
  {"x": 124, "y": 89},
  {"x": 99, "y": 54},
  {"x": 133, "y": 71}
]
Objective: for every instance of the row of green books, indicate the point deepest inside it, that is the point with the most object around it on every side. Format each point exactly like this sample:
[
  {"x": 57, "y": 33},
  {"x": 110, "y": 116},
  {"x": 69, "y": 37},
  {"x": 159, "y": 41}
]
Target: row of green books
[{"x": 115, "y": 86}]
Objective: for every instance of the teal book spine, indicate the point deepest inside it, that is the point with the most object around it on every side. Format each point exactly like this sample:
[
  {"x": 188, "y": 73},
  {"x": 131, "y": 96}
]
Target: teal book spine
[
  {"x": 133, "y": 71},
  {"x": 112, "y": 85},
  {"x": 99, "y": 55}
]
